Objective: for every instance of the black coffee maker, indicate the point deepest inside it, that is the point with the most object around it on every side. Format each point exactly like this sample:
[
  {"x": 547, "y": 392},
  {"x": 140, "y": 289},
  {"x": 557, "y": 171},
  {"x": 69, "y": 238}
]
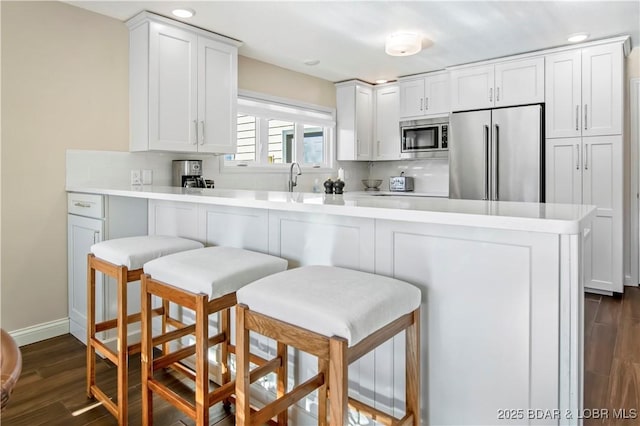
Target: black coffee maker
[{"x": 188, "y": 174}]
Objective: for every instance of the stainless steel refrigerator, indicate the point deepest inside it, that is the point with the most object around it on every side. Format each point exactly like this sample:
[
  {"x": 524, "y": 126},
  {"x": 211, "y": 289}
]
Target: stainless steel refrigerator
[{"x": 497, "y": 154}]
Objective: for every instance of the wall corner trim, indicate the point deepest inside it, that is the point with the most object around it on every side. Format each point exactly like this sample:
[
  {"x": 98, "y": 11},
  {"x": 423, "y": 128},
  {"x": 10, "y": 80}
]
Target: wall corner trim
[{"x": 42, "y": 331}]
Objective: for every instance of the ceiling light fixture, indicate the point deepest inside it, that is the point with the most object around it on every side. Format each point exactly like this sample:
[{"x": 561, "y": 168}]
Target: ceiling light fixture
[
  {"x": 381, "y": 81},
  {"x": 183, "y": 13},
  {"x": 578, "y": 37},
  {"x": 403, "y": 44},
  {"x": 311, "y": 62}
]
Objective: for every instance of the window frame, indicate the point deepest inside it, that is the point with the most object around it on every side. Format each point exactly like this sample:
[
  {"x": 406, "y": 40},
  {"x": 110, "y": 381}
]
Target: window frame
[{"x": 264, "y": 107}]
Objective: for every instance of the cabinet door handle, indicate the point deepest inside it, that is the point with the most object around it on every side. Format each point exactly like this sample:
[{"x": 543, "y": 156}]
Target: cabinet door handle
[
  {"x": 586, "y": 156},
  {"x": 491, "y": 94},
  {"x": 202, "y": 133},
  {"x": 497, "y": 94},
  {"x": 426, "y": 103},
  {"x": 83, "y": 205},
  {"x": 421, "y": 102},
  {"x": 95, "y": 236},
  {"x": 585, "y": 116},
  {"x": 378, "y": 148},
  {"x": 577, "y": 156},
  {"x": 195, "y": 123},
  {"x": 577, "y": 117}
]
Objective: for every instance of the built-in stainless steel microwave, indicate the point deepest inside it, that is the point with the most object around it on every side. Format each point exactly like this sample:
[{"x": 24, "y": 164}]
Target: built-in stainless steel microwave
[{"x": 425, "y": 138}]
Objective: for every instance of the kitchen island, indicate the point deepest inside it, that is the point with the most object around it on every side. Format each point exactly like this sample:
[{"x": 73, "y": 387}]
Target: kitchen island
[{"x": 501, "y": 284}]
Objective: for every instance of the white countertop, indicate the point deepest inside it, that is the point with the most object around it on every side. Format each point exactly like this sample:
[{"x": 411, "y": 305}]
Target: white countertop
[{"x": 535, "y": 217}]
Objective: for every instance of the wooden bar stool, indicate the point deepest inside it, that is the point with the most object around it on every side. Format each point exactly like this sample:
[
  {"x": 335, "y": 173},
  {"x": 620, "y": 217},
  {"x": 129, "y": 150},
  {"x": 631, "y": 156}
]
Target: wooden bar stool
[
  {"x": 204, "y": 281},
  {"x": 122, "y": 259},
  {"x": 337, "y": 315}
]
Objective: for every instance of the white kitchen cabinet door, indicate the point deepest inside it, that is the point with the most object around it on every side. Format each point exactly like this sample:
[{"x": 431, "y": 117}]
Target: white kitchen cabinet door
[
  {"x": 602, "y": 90},
  {"x": 173, "y": 218},
  {"x": 563, "y": 171},
  {"x": 354, "y": 102},
  {"x": 563, "y": 94},
  {"x": 472, "y": 88},
  {"x": 602, "y": 187},
  {"x": 234, "y": 227},
  {"x": 436, "y": 94},
  {"x": 412, "y": 98},
  {"x": 387, "y": 134},
  {"x": 217, "y": 96},
  {"x": 173, "y": 83},
  {"x": 519, "y": 82},
  {"x": 82, "y": 233}
]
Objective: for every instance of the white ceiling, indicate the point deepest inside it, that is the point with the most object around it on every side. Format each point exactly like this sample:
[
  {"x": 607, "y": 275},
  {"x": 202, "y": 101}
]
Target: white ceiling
[{"x": 348, "y": 36}]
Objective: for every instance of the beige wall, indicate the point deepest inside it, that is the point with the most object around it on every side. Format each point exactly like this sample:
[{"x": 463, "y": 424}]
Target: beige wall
[
  {"x": 266, "y": 78},
  {"x": 64, "y": 85}
]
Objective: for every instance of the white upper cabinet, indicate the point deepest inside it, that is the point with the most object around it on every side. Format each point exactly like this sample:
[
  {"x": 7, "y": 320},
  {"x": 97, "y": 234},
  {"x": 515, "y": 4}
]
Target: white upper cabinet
[
  {"x": 424, "y": 96},
  {"x": 387, "y": 132},
  {"x": 354, "y": 101},
  {"x": 503, "y": 84},
  {"x": 183, "y": 87},
  {"x": 584, "y": 92}
]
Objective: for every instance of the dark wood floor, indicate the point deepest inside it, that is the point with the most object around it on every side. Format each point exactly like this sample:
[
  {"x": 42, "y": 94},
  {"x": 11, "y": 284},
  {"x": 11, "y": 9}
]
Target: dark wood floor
[
  {"x": 51, "y": 387},
  {"x": 612, "y": 355}
]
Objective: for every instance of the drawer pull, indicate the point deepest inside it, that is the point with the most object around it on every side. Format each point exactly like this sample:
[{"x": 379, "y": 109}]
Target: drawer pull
[{"x": 83, "y": 205}]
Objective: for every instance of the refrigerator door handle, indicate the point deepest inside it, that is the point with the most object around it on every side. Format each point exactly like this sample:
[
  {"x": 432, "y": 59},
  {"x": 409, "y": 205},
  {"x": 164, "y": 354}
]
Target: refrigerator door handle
[
  {"x": 486, "y": 161},
  {"x": 496, "y": 163}
]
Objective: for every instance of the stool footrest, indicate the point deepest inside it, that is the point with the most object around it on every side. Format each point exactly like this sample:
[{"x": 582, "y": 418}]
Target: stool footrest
[
  {"x": 177, "y": 401},
  {"x": 377, "y": 415},
  {"x": 105, "y": 400},
  {"x": 285, "y": 401},
  {"x": 175, "y": 334},
  {"x": 168, "y": 359},
  {"x": 105, "y": 350},
  {"x": 113, "y": 323},
  {"x": 405, "y": 421}
]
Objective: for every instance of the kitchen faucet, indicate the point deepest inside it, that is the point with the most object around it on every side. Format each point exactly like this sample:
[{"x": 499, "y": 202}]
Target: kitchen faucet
[{"x": 293, "y": 179}]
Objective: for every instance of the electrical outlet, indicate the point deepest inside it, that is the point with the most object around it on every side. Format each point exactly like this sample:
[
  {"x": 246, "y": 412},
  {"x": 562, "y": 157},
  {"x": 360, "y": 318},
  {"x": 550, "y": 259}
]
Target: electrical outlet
[
  {"x": 147, "y": 177},
  {"x": 136, "y": 178}
]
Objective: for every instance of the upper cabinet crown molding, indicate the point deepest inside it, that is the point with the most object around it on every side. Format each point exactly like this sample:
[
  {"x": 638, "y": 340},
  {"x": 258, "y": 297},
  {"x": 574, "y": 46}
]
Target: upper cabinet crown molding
[{"x": 183, "y": 85}]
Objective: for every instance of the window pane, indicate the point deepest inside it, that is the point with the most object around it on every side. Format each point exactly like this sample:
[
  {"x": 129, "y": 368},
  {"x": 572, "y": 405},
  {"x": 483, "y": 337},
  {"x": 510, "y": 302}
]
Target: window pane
[
  {"x": 280, "y": 141},
  {"x": 313, "y": 144},
  {"x": 246, "y": 150}
]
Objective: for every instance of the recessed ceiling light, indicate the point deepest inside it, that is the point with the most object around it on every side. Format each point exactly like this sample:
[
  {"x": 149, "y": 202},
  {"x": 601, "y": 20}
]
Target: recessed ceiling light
[
  {"x": 183, "y": 13},
  {"x": 381, "y": 81},
  {"x": 578, "y": 37},
  {"x": 311, "y": 62},
  {"x": 403, "y": 44}
]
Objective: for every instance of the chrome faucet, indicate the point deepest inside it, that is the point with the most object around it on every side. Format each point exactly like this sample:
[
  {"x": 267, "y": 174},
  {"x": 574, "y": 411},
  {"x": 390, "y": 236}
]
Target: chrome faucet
[{"x": 293, "y": 179}]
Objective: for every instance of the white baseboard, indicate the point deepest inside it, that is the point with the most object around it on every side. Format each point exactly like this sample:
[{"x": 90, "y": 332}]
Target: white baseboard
[{"x": 43, "y": 331}]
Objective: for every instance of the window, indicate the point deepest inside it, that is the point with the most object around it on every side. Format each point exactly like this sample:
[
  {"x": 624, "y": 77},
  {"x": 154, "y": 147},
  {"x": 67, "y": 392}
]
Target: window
[{"x": 274, "y": 132}]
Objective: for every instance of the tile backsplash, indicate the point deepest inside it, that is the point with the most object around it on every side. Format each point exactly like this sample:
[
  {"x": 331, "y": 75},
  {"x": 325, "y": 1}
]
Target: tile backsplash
[{"x": 430, "y": 176}]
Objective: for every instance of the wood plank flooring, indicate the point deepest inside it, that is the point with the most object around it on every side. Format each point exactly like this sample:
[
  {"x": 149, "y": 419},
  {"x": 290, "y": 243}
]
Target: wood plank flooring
[
  {"x": 52, "y": 385},
  {"x": 612, "y": 356}
]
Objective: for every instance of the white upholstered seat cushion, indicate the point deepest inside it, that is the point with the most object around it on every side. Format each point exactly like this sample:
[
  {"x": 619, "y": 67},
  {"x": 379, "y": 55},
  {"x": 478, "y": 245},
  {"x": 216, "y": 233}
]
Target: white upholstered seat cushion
[
  {"x": 332, "y": 301},
  {"x": 215, "y": 271},
  {"x": 133, "y": 252}
]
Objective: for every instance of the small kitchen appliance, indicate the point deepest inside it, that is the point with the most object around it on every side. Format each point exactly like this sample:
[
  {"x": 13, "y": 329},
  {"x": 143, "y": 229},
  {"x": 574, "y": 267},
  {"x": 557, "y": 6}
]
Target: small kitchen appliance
[
  {"x": 427, "y": 138},
  {"x": 188, "y": 174},
  {"x": 401, "y": 183}
]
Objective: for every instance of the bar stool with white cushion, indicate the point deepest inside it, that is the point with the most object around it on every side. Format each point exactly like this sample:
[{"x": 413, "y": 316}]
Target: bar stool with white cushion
[
  {"x": 337, "y": 315},
  {"x": 122, "y": 259},
  {"x": 204, "y": 281}
]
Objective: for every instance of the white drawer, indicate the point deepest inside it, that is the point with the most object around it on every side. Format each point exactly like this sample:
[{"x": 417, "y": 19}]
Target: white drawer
[{"x": 90, "y": 205}]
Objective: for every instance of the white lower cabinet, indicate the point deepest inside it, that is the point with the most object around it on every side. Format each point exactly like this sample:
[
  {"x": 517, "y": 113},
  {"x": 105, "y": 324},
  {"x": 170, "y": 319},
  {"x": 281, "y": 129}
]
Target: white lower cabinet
[
  {"x": 91, "y": 219},
  {"x": 588, "y": 170}
]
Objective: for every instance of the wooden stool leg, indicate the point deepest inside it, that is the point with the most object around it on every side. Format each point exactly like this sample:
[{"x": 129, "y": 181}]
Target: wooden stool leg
[
  {"x": 243, "y": 410},
  {"x": 165, "y": 314},
  {"x": 323, "y": 366},
  {"x": 281, "y": 374},
  {"x": 412, "y": 353},
  {"x": 225, "y": 372},
  {"x": 338, "y": 401},
  {"x": 122, "y": 347},
  {"x": 91, "y": 324},
  {"x": 202, "y": 361},
  {"x": 146, "y": 354}
]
